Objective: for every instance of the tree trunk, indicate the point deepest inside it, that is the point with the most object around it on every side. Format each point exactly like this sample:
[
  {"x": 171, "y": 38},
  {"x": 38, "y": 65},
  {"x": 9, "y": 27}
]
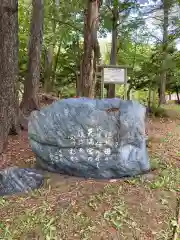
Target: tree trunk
[
  {"x": 48, "y": 70},
  {"x": 149, "y": 97},
  {"x": 8, "y": 70},
  {"x": 159, "y": 92},
  {"x": 90, "y": 37},
  {"x": 78, "y": 64},
  {"x": 154, "y": 98},
  {"x": 162, "y": 96},
  {"x": 129, "y": 93},
  {"x": 169, "y": 96},
  {"x": 96, "y": 58},
  {"x": 56, "y": 63},
  {"x": 163, "y": 75},
  {"x": 113, "y": 57},
  {"x": 48, "y": 78},
  {"x": 30, "y": 99},
  {"x": 177, "y": 93}
]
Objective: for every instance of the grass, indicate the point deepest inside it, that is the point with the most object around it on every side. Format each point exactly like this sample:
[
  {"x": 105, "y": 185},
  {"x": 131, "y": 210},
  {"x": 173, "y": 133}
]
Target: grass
[
  {"x": 138, "y": 208},
  {"x": 175, "y": 107},
  {"x": 172, "y": 110},
  {"x": 114, "y": 211},
  {"x": 168, "y": 177}
]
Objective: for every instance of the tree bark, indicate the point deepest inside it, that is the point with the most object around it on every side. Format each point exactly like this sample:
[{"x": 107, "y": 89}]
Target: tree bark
[
  {"x": 8, "y": 70},
  {"x": 113, "y": 56},
  {"x": 48, "y": 70},
  {"x": 170, "y": 96},
  {"x": 163, "y": 75},
  {"x": 90, "y": 39},
  {"x": 95, "y": 62},
  {"x": 149, "y": 97},
  {"x": 129, "y": 93},
  {"x": 154, "y": 98},
  {"x": 56, "y": 58},
  {"x": 30, "y": 99},
  {"x": 48, "y": 78},
  {"x": 177, "y": 93}
]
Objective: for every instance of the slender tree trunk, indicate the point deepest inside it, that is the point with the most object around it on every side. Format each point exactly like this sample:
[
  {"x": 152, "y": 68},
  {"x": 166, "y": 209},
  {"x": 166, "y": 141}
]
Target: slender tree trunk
[
  {"x": 159, "y": 93},
  {"x": 170, "y": 96},
  {"x": 48, "y": 70},
  {"x": 90, "y": 37},
  {"x": 154, "y": 98},
  {"x": 48, "y": 80},
  {"x": 113, "y": 56},
  {"x": 163, "y": 75},
  {"x": 9, "y": 103},
  {"x": 95, "y": 62},
  {"x": 149, "y": 97},
  {"x": 30, "y": 99},
  {"x": 177, "y": 93},
  {"x": 78, "y": 65},
  {"x": 162, "y": 99},
  {"x": 129, "y": 93},
  {"x": 55, "y": 64},
  {"x": 78, "y": 88}
]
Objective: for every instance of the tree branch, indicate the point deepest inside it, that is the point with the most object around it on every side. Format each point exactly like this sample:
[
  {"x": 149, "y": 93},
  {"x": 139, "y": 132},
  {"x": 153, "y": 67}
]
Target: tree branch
[{"x": 68, "y": 24}]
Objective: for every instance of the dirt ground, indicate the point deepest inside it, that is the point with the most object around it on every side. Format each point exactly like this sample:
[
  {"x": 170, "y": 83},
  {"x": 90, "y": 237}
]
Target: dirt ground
[{"x": 68, "y": 208}]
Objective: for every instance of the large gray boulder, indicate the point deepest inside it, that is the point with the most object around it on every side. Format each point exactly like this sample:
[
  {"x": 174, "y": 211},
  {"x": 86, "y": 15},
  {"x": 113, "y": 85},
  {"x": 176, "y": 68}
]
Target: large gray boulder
[{"x": 90, "y": 138}]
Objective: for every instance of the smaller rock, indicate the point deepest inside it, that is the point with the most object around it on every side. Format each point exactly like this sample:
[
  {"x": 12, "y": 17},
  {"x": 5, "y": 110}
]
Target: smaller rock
[{"x": 19, "y": 180}]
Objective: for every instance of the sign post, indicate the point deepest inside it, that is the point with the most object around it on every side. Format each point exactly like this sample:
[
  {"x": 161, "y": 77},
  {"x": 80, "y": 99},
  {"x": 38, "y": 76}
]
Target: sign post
[{"x": 114, "y": 74}]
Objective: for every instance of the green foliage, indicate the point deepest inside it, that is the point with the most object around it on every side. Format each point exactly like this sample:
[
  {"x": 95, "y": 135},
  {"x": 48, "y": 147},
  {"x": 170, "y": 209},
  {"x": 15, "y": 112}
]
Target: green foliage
[
  {"x": 63, "y": 30},
  {"x": 24, "y": 27}
]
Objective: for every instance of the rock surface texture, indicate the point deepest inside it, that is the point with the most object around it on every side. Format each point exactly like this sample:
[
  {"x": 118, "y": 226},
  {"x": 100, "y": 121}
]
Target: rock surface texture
[
  {"x": 19, "y": 180},
  {"x": 90, "y": 138}
]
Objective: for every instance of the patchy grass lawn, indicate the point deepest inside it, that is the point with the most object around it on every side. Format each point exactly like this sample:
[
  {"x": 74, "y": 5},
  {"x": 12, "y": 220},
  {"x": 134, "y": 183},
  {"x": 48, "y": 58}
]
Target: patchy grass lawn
[
  {"x": 175, "y": 107},
  {"x": 68, "y": 208},
  {"x": 172, "y": 110}
]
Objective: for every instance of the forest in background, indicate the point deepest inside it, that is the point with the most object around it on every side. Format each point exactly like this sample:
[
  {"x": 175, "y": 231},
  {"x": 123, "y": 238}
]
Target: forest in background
[{"x": 44, "y": 45}]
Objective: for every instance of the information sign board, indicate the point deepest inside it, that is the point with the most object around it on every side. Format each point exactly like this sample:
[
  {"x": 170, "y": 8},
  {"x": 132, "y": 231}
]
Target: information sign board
[{"x": 114, "y": 75}]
